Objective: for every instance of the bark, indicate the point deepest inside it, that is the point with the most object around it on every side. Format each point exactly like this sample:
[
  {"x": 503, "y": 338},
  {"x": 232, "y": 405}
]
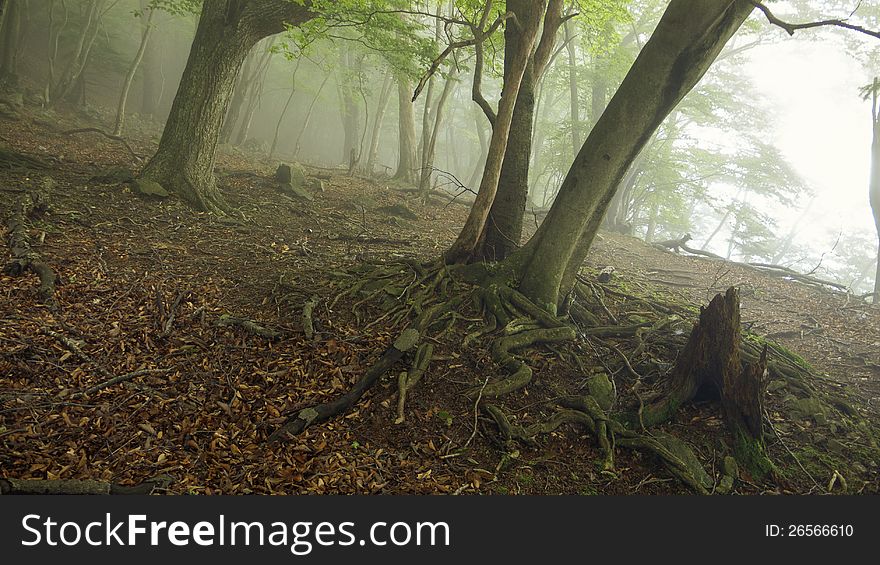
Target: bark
[
  {"x": 480, "y": 163},
  {"x": 129, "y": 77},
  {"x": 687, "y": 40},
  {"x": 465, "y": 247},
  {"x": 227, "y": 31},
  {"x": 406, "y": 163}
]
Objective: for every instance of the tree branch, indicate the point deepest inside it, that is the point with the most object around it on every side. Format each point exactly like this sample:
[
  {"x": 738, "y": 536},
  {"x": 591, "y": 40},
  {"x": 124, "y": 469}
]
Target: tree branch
[{"x": 791, "y": 28}]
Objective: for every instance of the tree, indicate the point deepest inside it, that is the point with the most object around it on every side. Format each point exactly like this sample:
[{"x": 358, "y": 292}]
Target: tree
[
  {"x": 503, "y": 231},
  {"x": 874, "y": 187},
  {"x": 227, "y": 31},
  {"x": 129, "y": 77},
  {"x": 688, "y": 38}
]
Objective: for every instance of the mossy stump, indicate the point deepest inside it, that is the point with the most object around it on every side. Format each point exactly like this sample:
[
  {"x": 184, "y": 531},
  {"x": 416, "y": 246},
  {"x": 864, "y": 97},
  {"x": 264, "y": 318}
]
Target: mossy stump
[{"x": 710, "y": 366}]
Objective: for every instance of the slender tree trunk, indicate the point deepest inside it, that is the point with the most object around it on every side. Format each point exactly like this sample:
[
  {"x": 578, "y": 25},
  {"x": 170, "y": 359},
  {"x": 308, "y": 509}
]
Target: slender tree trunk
[
  {"x": 378, "y": 120},
  {"x": 874, "y": 189},
  {"x": 284, "y": 110},
  {"x": 150, "y": 74},
  {"x": 429, "y": 150},
  {"x": 74, "y": 70},
  {"x": 480, "y": 162},
  {"x": 466, "y": 246},
  {"x": 129, "y": 77},
  {"x": 407, "y": 159},
  {"x": 227, "y": 31},
  {"x": 255, "y": 97},
  {"x": 243, "y": 84},
  {"x": 308, "y": 118},
  {"x": 687, "y": 40},
  {"x": 503, "y": 230},
  {"x": 573, "y": 88}
]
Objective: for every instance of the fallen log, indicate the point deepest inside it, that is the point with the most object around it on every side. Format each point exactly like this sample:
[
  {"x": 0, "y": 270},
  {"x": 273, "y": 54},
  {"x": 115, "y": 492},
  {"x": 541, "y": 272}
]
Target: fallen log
[
  {"x": 72, "y": 486},
  {"x": 23, "y": 257}
]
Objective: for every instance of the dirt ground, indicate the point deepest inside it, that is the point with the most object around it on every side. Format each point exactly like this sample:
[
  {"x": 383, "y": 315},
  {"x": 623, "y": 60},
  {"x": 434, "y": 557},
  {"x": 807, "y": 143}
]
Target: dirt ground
[{"x": 144, "y": 284}]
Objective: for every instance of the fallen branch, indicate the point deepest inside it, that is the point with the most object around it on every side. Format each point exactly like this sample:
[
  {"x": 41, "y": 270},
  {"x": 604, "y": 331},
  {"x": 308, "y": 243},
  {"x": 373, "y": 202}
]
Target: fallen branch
[
  {"x": 308, "y": 324},
  {"x": 39, "y": 486},
  {"x": 248, "y": 325},
  {"x": 322, "y": 412}
]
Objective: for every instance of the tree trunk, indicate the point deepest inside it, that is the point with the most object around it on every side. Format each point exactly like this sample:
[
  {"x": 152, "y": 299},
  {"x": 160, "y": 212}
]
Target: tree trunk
[
  {"x": 378, "y": 121},
  {"x": 429, "y": 150},
  {"x": 406, "y": 162},
  {"x": 874, "y": 189},
  {"x": 480, "y": 163},
  {"x": 239, "y": 96},
  {"x": 255, "y": 95},
  {"x": 11, "y": 36},
  {"x": 284, "y": 110},
  {"x": 129, "y": 77},
  {"x": 687, "y": 40},
  {"x": 72, "y": 77},
  {"x": 308, "y": 119},
  {"x": 227, "y": 30},
  {"x": 151, "y": 80},
  {"x": 574, "y": 95},
  {"x": 465, "y": 247}
]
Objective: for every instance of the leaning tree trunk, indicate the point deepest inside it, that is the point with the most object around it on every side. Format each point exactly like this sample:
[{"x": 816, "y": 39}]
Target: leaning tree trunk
[
  {"x": 406, "y": 163},
  {"x": 378, "y": 120},
  {"x": 129, "y": 77},
  {"x": 687, "y": 40},
  {"x": 227, "y": 30}
]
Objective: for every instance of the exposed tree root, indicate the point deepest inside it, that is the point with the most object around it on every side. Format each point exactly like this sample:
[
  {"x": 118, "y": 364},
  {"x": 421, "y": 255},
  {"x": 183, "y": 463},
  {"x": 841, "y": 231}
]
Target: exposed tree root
[
  {"x": 409, "y": 379},
  {"x": 23, "y": 257},
  {"x": 249, "y": 326},
  {"x": 311, "y": 415},
  {"x": 307, "y": 322}
]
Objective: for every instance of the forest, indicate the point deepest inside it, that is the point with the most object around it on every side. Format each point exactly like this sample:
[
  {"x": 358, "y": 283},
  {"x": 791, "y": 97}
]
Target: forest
[{"x": 620, "y": 247}]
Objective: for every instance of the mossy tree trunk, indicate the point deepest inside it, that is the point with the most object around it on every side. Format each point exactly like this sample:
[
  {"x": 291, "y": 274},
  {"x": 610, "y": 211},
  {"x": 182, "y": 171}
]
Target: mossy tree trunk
[
  {"x": 687, "y": 40},
  {"x": 10, "y": 28},
  {"x": 227, "y": 31}
]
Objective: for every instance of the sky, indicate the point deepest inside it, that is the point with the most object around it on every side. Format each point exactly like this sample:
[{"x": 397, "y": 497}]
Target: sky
[{"x": 823, "y": 127}]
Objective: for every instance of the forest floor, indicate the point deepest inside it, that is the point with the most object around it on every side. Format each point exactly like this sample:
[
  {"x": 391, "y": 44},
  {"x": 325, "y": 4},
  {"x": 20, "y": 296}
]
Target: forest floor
[{"x": 145, "y": 283}]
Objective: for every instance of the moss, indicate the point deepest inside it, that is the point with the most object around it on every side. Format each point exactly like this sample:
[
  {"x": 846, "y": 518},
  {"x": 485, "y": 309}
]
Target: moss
[
  {"x": 779, "y": 349},
  {"x": 751, "y": 455}
]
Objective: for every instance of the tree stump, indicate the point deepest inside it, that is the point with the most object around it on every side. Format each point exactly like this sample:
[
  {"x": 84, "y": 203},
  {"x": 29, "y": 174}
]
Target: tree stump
[{"x": 710, "y": 366}]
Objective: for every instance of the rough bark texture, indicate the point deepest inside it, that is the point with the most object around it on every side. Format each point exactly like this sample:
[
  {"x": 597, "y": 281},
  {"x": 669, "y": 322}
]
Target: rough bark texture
[
  {"x": 687, "y": 40},
  {"x": 406, "y": 163},
  {"x": 710, "y": 366},
  {"x": 227, "y": 30}
]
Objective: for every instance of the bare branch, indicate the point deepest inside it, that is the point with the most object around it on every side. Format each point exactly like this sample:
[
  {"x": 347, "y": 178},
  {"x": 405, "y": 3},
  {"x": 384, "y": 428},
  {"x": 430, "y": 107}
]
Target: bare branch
[{"x": 791, "y": 28}]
